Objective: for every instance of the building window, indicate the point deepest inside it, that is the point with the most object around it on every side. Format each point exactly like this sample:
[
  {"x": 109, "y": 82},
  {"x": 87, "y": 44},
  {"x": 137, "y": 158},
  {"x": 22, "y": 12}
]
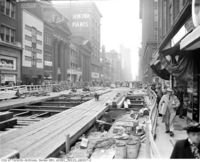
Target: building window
[
  {"x": 47, "y": 39},
  {"x": 7, "y": 34},
  {"x": 8, "y": 7},
  {"x": 39, "y": 42},
  {"x": 28, "y": 38},
  {"x": 2, "y": 5},
  {"x": 39, "y": 33},
  {"x": 39, "y": 51},
  {"x": 28, "y": 28},
  {"x": 2, "y": 33},
  {"x": 27, "y": 48},
  {"x": 12, "y": 36},
  {"x": 28, "y": 58},
  {"x": 13, "y": 10}
]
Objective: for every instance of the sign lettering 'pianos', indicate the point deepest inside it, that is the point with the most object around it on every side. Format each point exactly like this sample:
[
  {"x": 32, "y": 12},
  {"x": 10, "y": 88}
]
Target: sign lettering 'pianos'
[{"x": 80, "y": 20}]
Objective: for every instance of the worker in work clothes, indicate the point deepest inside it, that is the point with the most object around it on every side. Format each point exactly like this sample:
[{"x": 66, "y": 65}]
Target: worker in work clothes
[
  {"x": 167, "y": 107},
  {"x": 188, "y": 148},
  {"x": 96, "y": 96},
  {"x": 127, "y": 103}
]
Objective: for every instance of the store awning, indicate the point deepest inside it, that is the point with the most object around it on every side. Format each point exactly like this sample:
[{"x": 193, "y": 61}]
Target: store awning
[
  {"x": 158, "y": 68},
  {"x": 191, "y": 41},
  {"x": 185, "y": 66}
]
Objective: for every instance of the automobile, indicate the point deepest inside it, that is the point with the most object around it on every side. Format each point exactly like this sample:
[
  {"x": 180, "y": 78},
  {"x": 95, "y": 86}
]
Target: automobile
[
  {"x": 86, "y": 89},
  {"x": 112, "y": 86}
]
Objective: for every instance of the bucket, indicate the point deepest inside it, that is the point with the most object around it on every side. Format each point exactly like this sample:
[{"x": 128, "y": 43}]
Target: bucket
[
  {"x": 133, "y": 150},
  {"x": 120, "y": 151}
]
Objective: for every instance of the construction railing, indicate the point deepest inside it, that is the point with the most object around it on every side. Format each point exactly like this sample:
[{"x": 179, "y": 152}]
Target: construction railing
[{"x": 152, "y": 150}]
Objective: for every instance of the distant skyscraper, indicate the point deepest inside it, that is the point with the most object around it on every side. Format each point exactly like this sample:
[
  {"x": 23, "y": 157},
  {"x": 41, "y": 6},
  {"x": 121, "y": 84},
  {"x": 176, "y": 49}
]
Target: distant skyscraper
[{"x": 126, "y": 63}]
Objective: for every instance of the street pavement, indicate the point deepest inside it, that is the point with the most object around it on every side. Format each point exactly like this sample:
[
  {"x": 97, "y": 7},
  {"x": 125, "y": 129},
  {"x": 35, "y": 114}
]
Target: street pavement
[{"x": 164, "y": 142}]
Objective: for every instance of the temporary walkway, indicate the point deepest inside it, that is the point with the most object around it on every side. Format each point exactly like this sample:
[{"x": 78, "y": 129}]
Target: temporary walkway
[
  {"x": 42, "y": 139},
  {"x": 164, "y": 142}
]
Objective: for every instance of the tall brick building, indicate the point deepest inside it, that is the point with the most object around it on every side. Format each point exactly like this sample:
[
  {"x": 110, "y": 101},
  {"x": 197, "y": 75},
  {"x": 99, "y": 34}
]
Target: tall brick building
[
  {"x": 10, "y": 46},
  {"x": 84, "y": 19}
]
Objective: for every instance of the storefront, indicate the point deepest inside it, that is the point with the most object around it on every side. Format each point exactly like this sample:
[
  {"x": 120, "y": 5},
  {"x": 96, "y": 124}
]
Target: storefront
[
  {"x": 10, "y": 64},
  {"x": 74, "y": 75},
  {"x": 191, "y": 44},
  {"x": 180, "y": 59}
]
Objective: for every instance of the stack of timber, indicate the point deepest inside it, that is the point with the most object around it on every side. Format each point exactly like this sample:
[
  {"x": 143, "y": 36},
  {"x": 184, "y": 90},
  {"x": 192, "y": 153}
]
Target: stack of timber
[
  {"x": 43, "y": 139},
  {"x": 7, "y": 120}
]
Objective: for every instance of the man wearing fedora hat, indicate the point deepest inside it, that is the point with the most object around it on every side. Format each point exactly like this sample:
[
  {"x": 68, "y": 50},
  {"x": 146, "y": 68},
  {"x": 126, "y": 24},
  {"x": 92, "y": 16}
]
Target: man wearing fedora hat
[
  {"x": 188, "y": 148},
  {"x": 167, "y": 108}
]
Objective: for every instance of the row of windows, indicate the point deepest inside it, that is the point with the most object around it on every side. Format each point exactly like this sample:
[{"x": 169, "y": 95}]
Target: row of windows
[
  {"x": 33, "y": 30},
  {"x": 31, "y": 49},
  {"x": 8, "y": 8},
  {"x": 33, "y": 61},
  {"x": 47, "y": 57},
  {"x": 74, "y": 66},
  {"x": 47, "y": 40},
  {"x": 29, "y": 38},
  {"x": 7, "y": 34}
]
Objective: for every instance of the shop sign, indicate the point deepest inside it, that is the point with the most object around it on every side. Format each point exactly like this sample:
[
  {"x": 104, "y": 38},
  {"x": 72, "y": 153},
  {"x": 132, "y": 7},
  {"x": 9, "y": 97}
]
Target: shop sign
[
  {"x": 95, "y": 75},
  {"x": 196, "y": 12},
  {"x": 80, "y": 20},
  {"x": 48, "y": 63},
  {"x": 8, "y": 78},
  {"x": 7, "y": 63}
]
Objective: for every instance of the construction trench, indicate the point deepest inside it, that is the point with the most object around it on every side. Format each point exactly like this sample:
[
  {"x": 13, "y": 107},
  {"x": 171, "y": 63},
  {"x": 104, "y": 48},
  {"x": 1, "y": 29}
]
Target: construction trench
[{"x": 75, "y": 126}]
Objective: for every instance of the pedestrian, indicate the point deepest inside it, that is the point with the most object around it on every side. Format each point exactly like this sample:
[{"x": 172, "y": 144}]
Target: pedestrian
[
  {"x": 180, "y": 95},
  {"x": 188, "y": 148},
  {"x": 96, "y": 96},
  {"x": 167, "y": 107},
  {"x": 126, "y": 103}
]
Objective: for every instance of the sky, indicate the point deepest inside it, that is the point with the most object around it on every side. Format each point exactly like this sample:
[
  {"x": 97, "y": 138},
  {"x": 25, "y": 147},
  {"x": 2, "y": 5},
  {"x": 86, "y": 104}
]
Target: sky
[{"x": 120, "y": 25}]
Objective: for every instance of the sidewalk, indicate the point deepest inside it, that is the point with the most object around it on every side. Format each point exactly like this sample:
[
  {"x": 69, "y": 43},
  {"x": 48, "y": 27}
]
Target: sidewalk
[{"x": 164, "y": 142}]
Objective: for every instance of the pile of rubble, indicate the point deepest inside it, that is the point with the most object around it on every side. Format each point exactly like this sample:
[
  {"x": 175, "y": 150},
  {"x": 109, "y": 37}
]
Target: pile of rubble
[{"x": 122, "y": 141}]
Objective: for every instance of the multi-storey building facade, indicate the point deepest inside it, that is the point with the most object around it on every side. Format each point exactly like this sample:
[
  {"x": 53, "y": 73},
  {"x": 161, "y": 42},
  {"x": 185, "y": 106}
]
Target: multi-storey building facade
[
  {"x": 178, "y": 50},
  {"x": 10, "y": 46},
  {"x": 85, "y": 21},
  {"x": 149, "y": 16},
  {"x": 48, "y": 50},
  {"x": 32, "y": 42},
  {"x": 47, "y": 36},
  {"x": 84, "y": 61},
  {"x": 115, "y": 62}
]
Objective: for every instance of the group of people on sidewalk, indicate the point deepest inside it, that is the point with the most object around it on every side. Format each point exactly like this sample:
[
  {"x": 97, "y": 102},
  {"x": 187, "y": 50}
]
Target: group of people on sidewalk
[{"x": 168, "y": 105}]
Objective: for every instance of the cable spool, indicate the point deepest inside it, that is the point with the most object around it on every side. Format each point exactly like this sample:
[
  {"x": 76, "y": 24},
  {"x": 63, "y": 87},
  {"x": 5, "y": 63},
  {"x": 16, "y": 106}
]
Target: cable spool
[{"x": 196, "y": 12}]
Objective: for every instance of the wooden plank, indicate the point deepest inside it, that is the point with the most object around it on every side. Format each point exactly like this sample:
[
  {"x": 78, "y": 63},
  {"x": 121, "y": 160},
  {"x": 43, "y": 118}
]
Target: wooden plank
[
  {"x": 23, "y": 113},
  {"x": 36, "y": 110},
  {"x": 5, "y": 115},
  {"x": 63, "y": 102},
  {"x": 8, "y": 123},
  {"x": 47, "y": 107}
]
